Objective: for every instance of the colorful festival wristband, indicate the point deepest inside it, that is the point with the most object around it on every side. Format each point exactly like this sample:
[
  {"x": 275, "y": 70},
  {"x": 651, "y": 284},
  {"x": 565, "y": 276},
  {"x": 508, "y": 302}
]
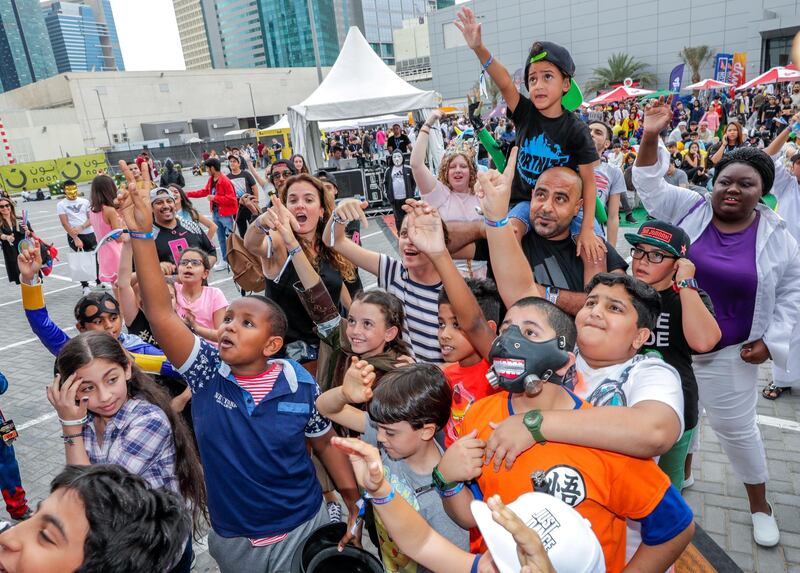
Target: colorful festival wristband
[
  {"x": 141, "y": 236},
  {"x": 496, "y": 224},
  {"x": 381, "y": 500},
  {"x": 450, "y": 492}
]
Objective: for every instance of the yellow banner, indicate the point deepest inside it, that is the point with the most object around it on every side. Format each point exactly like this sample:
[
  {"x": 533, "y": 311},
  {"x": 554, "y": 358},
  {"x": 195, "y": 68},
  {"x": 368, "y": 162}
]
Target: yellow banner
[
  {"x": 39, "y": 174},
  {"x": 739, "y": 69}
]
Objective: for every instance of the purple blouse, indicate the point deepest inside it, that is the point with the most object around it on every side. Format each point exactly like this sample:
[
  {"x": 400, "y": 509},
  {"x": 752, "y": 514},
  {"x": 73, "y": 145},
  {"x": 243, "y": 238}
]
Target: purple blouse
[{"x": 726, "y": 270}]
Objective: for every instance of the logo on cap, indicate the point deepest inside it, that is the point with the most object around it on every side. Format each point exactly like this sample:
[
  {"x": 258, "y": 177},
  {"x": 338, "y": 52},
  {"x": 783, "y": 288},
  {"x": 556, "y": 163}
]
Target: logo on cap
[{"x": 655, "y": 233}]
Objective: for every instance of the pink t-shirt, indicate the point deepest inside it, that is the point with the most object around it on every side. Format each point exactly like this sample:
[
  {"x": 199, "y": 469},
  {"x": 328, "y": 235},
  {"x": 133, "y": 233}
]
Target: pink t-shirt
[
  {"x": 209, "y": 302},
  {"x": 380, "y": 137},
  {"x": 453, "y": 206}
]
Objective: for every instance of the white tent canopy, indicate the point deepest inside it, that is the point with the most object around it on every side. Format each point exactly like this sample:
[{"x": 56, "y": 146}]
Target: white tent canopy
[
  {"x": 358, "y": 85},
  {"x": 283, "y": 122}
]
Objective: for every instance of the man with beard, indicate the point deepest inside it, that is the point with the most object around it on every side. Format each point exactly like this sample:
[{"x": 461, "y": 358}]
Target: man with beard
[
  {"x": 559, "y": 274},
  {"x": 171, "y": 237}
]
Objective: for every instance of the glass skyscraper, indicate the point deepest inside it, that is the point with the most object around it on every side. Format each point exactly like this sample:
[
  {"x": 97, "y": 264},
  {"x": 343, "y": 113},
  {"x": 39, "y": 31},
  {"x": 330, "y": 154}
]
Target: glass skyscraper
[
  {"x": 240, "y": 33},
  {"x": 81, "y": 43},
  {"x": 25, "y": 52},
  {"x": 287, "y": 33}
]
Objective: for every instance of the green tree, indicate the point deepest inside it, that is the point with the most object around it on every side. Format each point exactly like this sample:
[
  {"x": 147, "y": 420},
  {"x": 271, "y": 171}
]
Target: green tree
[
  {"x": 620, "y": 66},
  {"x": 695, "y": 58}
]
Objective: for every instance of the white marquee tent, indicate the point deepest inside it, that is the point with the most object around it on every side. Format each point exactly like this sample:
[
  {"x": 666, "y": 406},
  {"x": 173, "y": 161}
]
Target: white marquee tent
[{"x": 358, "y": 85}]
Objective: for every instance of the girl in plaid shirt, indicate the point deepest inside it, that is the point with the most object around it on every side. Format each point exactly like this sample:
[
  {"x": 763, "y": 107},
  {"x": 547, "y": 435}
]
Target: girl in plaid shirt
[{"x": 113, "y": 413}]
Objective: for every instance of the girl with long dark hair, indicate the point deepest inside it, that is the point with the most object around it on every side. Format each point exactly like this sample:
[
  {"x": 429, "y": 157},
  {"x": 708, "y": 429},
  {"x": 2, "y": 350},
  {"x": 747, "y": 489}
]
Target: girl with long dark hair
[{"x": 104, "y": 219}]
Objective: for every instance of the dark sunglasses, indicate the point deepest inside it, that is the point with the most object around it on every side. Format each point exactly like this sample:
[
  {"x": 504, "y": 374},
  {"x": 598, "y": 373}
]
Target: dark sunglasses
[
  {"x": 654, "y": 257},
  {"x": 280, "y": 175}
]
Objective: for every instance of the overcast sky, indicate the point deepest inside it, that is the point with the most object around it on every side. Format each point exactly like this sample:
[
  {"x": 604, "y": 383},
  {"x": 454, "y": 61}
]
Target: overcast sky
[{"x": 148, "y": 34}]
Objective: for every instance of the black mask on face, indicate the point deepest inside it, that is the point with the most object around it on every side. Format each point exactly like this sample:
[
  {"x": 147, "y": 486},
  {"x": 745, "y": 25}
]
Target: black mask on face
[{"x": 519, "y": 364}]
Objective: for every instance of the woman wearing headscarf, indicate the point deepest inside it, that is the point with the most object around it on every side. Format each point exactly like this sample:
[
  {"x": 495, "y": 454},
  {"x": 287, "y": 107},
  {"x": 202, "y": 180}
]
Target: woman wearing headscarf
[{"x": 749, "y": 264}]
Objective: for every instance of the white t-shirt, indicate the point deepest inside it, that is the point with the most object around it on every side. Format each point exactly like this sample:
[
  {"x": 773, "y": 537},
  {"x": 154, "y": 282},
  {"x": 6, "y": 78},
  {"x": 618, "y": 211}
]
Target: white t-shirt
[
  {"x": 398, "y": 184},
  {"x": 650, "y": 378},
  {"x": 609, "y": 180},
  {"x": 77, "y": 212}
]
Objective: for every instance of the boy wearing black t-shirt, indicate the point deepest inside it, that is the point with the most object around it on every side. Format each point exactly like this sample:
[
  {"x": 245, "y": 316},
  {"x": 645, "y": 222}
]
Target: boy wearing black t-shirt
[
  {"x": 547, "y": 135},
  {"x": 685, "y": 326}
]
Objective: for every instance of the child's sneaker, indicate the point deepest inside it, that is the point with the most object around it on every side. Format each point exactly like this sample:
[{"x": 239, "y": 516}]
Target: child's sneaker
[{"x": 334, "y": 511}]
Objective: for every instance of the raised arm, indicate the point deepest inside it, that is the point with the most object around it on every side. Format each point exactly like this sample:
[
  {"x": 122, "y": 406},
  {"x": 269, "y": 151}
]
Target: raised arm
[
  {"x": 511, "y": 269},
  {"x": 426, "y": 181},
  {"x": 780, "y": 140},
  {"x": 471, "y": 30},
  {"x": 128, "y": 301},
  {"x": 426, "y": 232},
  {"x": 172, "y": 334},
  {"x": 346, "y": 211}
]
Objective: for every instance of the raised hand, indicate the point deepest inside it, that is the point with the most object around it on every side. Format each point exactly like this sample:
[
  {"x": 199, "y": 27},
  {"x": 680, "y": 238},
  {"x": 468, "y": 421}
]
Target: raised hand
[
  {"x": 436, "y": 115},
  {"x": 424, "y": 227},
  {"x": 494, "y": 189},
  {"x": 133, "y": 203},
  {"x": 279, "y": 219},
  {"x": 358, "y": 381},
  {"x": 470, "y": 28},
  {"x": 29, "y": 263},
  {"x": 532, "y": 555},
  {"x": 657, "y": 116},
  {"x": 64, "y": 398},
  {"x": 352, "y": 210},
  {"x": 684, "y": 269},
  {"x": 366, "y": 462}
]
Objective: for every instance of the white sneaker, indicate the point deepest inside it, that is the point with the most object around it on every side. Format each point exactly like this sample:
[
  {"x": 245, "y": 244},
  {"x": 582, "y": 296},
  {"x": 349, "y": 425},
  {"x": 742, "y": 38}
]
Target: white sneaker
[
  {"x": 220, "y": 266},
  {"x": 765, "y": 528},
  {"x": 688, "y": 482}
]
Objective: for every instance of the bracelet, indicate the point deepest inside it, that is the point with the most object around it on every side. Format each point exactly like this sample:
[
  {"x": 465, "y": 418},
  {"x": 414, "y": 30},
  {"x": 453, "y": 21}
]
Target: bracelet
[
  {"x": 70, "y": 438},
  {"x": 262, "y": 228},
  {"x": 338, "y": 220},
  {"x": 488, "y": 63},
  {"x": 294, "y": 251},
  {"x": 496, "y": 224},
  {"x": 141, "y": 236},
  {"x": 450, "y": 492},
  {"x": 381, "y": 500},
  {"x": 80, "y": 422}
]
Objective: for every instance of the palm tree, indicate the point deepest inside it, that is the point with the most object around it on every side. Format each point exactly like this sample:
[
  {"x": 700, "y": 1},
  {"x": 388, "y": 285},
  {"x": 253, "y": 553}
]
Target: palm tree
[
  {"x": 620, "y": 66},
  {"x": 695, "y": 58}
]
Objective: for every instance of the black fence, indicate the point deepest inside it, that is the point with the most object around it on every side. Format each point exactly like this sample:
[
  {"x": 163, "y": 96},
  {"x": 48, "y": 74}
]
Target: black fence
[{"x": 187, "y": 154}]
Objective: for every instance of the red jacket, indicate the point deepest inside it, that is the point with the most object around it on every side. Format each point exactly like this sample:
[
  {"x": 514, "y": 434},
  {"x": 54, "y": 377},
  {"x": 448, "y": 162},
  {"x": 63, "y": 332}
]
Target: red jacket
[{"x": 224, "y": 196}]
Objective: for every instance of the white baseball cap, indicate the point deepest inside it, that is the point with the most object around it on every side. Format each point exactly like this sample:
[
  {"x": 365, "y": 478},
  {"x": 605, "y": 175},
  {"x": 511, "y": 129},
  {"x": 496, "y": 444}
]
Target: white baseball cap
[{"x": 566, "y": 535}]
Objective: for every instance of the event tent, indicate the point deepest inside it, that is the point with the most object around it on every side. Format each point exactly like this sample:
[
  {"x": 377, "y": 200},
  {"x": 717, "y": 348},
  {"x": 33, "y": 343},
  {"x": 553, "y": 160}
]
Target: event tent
[
  {"x": 771, "y": 76},
  {"x": 358, "y": 85}
]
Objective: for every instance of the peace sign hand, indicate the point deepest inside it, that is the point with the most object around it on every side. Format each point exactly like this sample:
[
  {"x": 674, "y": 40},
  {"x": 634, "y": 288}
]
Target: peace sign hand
[
  {"x": 133, "y": 203},
  {"x": 494, "y": 189}
]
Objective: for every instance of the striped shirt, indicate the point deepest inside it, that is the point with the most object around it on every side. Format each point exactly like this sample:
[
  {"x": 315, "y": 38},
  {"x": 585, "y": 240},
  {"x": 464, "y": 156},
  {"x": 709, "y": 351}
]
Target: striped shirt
[
  {"x": 259, "y": 386},
  {"x": 421, "y": 303}
]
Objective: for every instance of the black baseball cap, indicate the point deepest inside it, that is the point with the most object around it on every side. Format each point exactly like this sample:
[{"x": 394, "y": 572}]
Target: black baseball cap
[
  {"x": 663, "y": 235},
  {"x": 560, "y": 56}
]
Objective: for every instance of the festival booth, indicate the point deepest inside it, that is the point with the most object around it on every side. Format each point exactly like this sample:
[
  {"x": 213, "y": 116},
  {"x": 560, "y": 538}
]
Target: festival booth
[
  {"x": 359, "y": 85},
  {"x": 280, "y": 131}
]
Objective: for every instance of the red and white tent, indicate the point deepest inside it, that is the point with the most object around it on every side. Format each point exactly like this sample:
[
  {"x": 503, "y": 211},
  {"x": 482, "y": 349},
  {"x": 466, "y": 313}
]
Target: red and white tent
[
  {"x": 708, "y": 85},
  {"x": 619, "y": 94},
  {"x": 775, "y": 75}
]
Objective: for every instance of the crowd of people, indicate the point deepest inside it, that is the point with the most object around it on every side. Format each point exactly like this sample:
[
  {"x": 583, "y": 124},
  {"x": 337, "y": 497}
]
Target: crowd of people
[{"x": 509, "y": 352}]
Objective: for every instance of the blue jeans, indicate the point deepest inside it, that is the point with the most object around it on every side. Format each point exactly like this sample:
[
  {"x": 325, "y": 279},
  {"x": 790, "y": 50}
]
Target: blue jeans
[{"x": 224, "y": 228}]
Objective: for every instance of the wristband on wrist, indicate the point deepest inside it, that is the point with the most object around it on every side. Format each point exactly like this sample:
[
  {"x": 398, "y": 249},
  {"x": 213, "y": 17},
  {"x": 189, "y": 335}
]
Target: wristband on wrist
[
  {"x": 488, "y": 63},
  {"x": 551, "y": 294},
  {"x": 496, "y": 224},
  {"x": 452, "y": 491},
  {"x": 381, "y": 500},
  {"x": 141, "y": 236},
  {"x": 261, "y": 227},
  {"x": 294, "y": 251},
  {"x": 80, "y": 422},
  {"x": 687, "y": 283},
  {"x": 338, "y": 220},
  {"x": 70, "y": 438}
]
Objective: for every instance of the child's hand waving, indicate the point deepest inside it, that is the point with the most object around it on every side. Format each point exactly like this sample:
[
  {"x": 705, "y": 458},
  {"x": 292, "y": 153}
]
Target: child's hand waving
[
  {"x": 470, "y": 28},
  {"x": 657, "y": 117},
  {"x": 425, "y": 227},
  {"x": 358, "y": 381}
]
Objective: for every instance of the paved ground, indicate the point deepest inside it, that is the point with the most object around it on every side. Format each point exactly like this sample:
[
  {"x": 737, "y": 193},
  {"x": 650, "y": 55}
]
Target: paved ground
[{"x": 717, "y": 498}]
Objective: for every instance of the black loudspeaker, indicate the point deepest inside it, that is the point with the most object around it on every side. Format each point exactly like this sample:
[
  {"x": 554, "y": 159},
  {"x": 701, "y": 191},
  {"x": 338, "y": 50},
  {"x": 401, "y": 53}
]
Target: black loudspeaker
[
  {"x": 350, "y": 183},
  {"x": 373, "y": 179}
]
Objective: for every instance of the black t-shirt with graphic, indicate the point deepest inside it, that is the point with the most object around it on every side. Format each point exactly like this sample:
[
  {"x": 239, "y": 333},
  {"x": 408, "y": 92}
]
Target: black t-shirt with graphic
[
  {"x": 554, "y": 263},
  {"x": 668, "y": 340},
  {"x": 242, "y": 182},
  {"x": 546, "y": 142},
  {"x": 170, "y": 243}
]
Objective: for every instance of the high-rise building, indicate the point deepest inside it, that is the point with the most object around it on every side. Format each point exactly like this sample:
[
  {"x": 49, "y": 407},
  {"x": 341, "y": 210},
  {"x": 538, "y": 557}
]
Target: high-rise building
[
  {"x": 81, "y": 41},
  {"x": 287, "y": 34},
  {"x": 240, "y": 33},
  {"x": 192, "y": 31},
  {"x": 25, "y": 52}
]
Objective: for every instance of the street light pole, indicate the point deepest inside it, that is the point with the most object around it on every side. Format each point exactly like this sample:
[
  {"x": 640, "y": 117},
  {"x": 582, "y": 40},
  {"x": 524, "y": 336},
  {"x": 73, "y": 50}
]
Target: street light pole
[
  {"x": 253, "y": 103},
  {"x": 103, "y": 113},
  {"x": 310, "y": 11}
]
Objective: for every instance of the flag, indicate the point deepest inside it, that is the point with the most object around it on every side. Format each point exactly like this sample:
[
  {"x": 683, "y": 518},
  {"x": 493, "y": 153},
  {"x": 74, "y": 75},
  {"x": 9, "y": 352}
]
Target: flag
[
  {"x": 739, "y": 69},
  {"x": 722, "y": 67},
  {"x": 676, "y": 78}
]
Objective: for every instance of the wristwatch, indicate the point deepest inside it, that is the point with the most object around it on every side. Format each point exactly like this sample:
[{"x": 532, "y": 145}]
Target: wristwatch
[
  {"x": 551, "y": 294},
  {"x": 438, "y": 481},
  {"x": 533, "y": 421},
  {"x": 688, "y": 283}
]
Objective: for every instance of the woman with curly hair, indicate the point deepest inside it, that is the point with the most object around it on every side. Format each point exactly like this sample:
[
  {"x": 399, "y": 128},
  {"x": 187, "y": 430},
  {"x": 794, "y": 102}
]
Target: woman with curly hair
[
  {"x": 310, "y": 206},
  {"x": 452, "y": 192}
]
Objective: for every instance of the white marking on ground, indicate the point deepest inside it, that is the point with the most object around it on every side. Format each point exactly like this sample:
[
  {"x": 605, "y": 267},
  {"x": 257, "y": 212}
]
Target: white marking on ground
[
  {"x": 29, "y": 340},
  {"x": 779, "y": 423},
  {"x": 47, "y": 293}
]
